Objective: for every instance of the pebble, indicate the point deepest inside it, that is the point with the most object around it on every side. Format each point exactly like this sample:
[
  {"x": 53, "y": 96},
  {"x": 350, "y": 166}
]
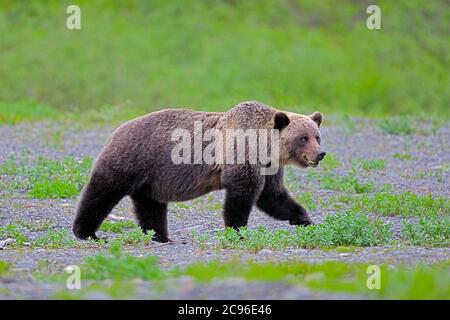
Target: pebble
[{"x": 6, "y": 242}]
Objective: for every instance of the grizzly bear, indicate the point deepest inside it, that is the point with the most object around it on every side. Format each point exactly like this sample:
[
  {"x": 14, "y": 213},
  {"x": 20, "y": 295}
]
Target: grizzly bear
[{"x": 138, "y": 161}]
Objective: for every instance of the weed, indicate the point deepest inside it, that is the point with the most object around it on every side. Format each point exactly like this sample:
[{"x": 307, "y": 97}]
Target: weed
[
  {"x": 368, "y": 165},
  {"x": 117, "y": 226},
  {"x": 330, "y": 162},
  {"x": 38, "y": 225},
  {"x": 135, "y": 236},
  {"x": 347, "y": 183},
  {"x": 122, "y": 267},
  {"x": 4, "y": 267},
  {"x": 55, "y": 239},
  {"x": 307, "y": 200},
  {"x": 201, "y": 238},
  {"x": 397, "y": 126},
  {"x": 405, "y": 204},
  {"x": 48, "y": 178},
  {"x": 428, "y": 231},
  {"x": 12, "y": 231},
  {"x": 348, "y": 229},
  {"x": 403, "y": 156}
]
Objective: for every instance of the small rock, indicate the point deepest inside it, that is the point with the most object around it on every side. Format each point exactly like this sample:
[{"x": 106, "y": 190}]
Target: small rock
[
  {"x": 344, "y": 254},
  {"x": 113, "y": 217},
  {"x": 6, "y": 242},
  {"x": 265, "y": 251}
]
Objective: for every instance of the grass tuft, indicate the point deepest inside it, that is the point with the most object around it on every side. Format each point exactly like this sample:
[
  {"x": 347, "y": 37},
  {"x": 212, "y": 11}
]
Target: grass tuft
[
  {"x": 428, "y": 231},
  {"x": 397, "y": 126},
  {"x": 48, "y": 178},
  {"x": 348, "y": 229},
  {"x": 406, "y": 204}
]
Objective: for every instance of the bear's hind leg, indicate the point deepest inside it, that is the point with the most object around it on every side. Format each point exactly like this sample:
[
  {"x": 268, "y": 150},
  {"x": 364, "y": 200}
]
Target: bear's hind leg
[
  {"x": 151, "y": 215},
  {"x": 95, "y": 204}
]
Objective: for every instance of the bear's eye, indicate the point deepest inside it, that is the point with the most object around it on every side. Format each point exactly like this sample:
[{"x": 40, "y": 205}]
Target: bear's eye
[
  {"x": 318, "y": 139},
  {"x": 304, "y": 139}
]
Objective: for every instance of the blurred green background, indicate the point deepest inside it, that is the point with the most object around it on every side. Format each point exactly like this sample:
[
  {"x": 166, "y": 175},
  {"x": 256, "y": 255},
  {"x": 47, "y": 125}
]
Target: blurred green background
[{"x": 209, "y": 55}]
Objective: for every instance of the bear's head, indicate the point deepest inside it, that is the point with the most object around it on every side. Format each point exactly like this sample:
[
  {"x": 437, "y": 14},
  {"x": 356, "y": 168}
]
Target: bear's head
[{"x": 299, "y": 138}]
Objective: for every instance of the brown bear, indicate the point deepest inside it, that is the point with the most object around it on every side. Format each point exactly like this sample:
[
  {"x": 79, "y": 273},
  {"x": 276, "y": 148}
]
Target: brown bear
[{"x": 138, "y": 161}]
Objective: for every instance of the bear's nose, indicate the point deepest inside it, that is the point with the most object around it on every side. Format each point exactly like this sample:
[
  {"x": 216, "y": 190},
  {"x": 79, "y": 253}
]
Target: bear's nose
[{"x": 321, "y": 155}]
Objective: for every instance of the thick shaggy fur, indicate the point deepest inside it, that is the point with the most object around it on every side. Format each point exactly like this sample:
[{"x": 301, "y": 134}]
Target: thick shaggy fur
[{"x": 137, "y": 162}]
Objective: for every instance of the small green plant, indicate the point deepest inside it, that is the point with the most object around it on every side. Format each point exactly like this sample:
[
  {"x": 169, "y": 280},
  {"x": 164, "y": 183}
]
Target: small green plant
[
  {"x": 330, "y": 162},
  {"x": 307, "y": 200},
  {"x": 347, "y": 183},
  {"x": 49, "y": 178},
  {"x": 12, "y": 231},
  {"x": 368, "y": 165},
  {"x": 38, "y": 225},
  {"x": 291, "y": 179},
  {"x": 405, "y": 204},
  {"x": 201, "y": 238},
  {"x": 403, "y": 156},
  {"x": 348, "y": 229},
  {"x": 55, "y": 239},
  {"x": 397, "y": 126},
  {"x": 428, "y": 231},
  {"x": 181, "y": 205},
  {"x": 135, "y": 236},
  {"x": 117, "y": 226},
  {"x": 119, "y": 266},
  {"x": 4, "y": 267}
]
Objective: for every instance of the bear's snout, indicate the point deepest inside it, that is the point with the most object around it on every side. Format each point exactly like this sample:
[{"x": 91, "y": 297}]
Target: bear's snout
[{"x": 321, "y": 155}]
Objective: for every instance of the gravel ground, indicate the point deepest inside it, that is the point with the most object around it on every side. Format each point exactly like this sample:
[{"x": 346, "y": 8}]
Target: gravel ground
[{"x": 427, "y": 172}]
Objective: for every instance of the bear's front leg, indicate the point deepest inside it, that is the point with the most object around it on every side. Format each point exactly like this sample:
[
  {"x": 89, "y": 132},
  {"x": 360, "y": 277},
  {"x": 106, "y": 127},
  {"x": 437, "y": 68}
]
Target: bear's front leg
[
  {"x": 276, "y": 201},
  {"x": 243, "y": 184},
  {"x": 281, "y": 206},
  {"x": 237, "y": 209}
]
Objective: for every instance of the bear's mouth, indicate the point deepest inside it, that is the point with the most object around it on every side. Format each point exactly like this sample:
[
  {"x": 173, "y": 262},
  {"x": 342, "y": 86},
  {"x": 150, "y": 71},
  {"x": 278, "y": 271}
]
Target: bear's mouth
[{"x": 310, "y": 163}]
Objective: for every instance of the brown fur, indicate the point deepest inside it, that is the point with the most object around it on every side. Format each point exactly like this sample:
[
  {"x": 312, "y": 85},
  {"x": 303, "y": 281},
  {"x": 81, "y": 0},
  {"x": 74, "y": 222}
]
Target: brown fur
[{"x": 137, "y": 162}]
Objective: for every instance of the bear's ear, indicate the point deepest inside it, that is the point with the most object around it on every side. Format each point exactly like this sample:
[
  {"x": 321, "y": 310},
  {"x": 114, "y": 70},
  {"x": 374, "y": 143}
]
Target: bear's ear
[
  {"x": 317, "y": 117},
  {"x": 281, "y": 120}
]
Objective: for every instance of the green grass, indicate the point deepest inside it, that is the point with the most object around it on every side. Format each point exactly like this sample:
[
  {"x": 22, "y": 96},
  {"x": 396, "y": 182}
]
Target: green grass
[
  {"x": 403, "y": 156},
  {"x": 36, "y": 226},
  {"x": 12, "y": 231},
  {"x": 15, "y": 112},
  {"x": 120, "y": 266},
  {"x": 347, "y": 229},
  {"x": 307, "y": 200},
  {"x": 56, "y": 239},
  {"x": 403, "y": 282},
  {"x": 428, "y": 231},
  {"x": 133, "y": 56},
  {"x": 397, "y": 126},
  {"x": 405, "y": 204},
  {"x": 347, "y": 183},
  {"x": 369, "y": 165},
  {"x": 117, "y": 226},
  {"x": 330, "y": 162},
  {"x": 48, "y": 178},
  {"x": 4, "y": 267},
  {"x": 135, "y": 236}
]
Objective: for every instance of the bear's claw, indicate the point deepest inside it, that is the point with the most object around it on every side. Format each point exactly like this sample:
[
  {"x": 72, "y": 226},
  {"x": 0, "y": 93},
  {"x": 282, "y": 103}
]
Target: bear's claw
[{"x": 301, "y": 222}]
